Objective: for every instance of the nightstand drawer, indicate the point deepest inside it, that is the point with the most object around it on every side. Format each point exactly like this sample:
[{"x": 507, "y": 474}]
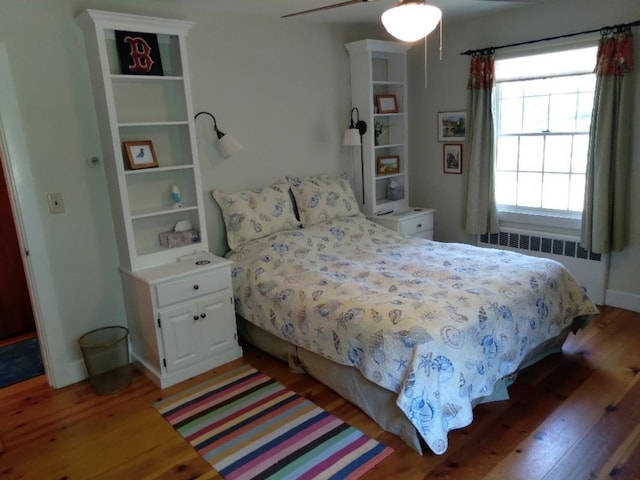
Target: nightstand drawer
[
  {"x": 416, "y": 224},
  {"x": 193, "y": 286}
]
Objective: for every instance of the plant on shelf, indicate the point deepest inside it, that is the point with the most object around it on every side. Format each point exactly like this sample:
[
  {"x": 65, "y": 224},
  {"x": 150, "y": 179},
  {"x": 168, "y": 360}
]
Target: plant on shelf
[{"x": 378, "y": 129}]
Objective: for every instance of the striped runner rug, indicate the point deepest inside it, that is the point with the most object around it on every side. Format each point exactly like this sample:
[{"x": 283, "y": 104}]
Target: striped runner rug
[{"x": 248, "y": 426}]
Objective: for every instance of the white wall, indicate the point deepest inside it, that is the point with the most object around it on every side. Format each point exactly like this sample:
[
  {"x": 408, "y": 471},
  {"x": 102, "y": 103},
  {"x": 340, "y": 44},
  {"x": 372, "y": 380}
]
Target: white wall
[
  {"x": 281, "y": 87},
  {"x": 446, "y": 91}
]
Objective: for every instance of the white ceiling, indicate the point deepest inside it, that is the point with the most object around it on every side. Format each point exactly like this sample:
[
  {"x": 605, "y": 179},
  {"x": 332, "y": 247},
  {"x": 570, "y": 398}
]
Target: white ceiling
[{"x": 366, "y": 12}]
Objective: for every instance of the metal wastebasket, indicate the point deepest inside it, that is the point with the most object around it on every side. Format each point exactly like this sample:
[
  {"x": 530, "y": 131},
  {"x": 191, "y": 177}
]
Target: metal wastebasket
[{"x": 106, "y": 357}]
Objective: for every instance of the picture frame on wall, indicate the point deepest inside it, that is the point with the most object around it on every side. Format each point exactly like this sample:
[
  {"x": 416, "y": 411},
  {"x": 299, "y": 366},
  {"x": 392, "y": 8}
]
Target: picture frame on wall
[
  {"x": 388, "y": 165},
  {"x": 140, "y": 154},
  {"x": 138, "y": 53},
  {"x": 387, "y": 103},
  {"x": 452, "y": 158},
  {"x": 452, "y": 126}
]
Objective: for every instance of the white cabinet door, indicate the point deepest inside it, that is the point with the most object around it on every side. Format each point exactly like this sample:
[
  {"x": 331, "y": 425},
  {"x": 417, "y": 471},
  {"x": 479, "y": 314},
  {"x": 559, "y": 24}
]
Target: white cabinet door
[
  {"x": 178, "y": 326},
  {"x": 217, "y": 324},
  {"x": 194, "y": 331}
]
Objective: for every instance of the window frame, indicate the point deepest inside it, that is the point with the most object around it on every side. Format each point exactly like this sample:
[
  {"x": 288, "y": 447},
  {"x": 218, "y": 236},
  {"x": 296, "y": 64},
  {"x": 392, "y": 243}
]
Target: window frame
[{"x": 539, "y": 219}]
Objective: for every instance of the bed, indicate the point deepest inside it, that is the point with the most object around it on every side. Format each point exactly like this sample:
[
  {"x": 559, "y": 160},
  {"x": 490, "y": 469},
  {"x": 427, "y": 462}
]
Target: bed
[{"x": 414, "y": 332}]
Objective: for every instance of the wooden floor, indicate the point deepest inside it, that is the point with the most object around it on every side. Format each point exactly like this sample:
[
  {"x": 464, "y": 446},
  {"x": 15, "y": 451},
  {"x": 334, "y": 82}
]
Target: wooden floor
[{"x": 572, "y": 416}]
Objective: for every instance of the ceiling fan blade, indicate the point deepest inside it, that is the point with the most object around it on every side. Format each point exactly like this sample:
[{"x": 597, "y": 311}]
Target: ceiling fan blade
[{"x": 328, "y": 7}]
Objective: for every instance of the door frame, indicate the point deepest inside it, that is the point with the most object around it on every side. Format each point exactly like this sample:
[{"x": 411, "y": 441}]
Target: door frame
[{"x": 24, "y": 204}]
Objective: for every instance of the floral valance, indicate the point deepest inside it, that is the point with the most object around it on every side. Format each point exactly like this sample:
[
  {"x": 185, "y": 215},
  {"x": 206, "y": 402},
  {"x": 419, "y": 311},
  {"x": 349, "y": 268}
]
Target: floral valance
[
  {"x": 615, "y": 53},
  {"x": 482, "y": 72}
]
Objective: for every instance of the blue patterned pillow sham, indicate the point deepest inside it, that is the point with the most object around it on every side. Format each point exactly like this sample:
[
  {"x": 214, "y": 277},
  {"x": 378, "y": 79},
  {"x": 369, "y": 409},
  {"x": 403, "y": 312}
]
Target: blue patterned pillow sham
[
  {"x": 323, "y": 197},
  {"x": 257, "y": 213}
]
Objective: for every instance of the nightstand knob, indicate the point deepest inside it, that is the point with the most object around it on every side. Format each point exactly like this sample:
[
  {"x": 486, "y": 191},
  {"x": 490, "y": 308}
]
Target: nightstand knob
[
  {"x": 203, "y": 315},
  {"x": 419, "y": 225},
  {"x": 196, "y": 317},
  {"x": 196, "y": 286}
]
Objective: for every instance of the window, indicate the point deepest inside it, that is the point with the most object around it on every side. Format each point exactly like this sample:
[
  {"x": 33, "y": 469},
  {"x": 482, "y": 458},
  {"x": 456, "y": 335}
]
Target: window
[{"x": 543, "y": 114}]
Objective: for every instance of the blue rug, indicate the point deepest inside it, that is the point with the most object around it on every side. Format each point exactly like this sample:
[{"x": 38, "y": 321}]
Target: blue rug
[{"x": 20, "y": 361}]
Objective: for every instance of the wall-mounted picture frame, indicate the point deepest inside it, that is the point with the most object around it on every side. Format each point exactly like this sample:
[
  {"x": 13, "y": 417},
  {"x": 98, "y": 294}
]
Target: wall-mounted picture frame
[
  {"x": 452, "y": 158},
  {"x": 387, "y": 103},
  {"x": 138, "y": 53},
  {"x": 388, "y": 165},
  {"x": 452, "y": 126},
  {"x": 140, "y": 154}
]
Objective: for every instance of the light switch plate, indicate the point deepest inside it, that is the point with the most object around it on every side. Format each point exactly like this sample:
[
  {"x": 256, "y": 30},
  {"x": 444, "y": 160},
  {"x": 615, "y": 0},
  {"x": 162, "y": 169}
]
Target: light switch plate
[{"x": 56, "y": 204}]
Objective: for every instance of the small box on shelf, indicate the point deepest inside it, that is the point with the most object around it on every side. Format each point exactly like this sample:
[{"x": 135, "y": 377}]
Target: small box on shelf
[{"x": 179, "y": 239}]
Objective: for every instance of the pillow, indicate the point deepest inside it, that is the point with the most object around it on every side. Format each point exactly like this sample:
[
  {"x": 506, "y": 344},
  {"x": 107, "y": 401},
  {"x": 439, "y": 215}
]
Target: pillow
[
  {"x": 256, "y": 213},
  {"x": 323, "y": 197}
]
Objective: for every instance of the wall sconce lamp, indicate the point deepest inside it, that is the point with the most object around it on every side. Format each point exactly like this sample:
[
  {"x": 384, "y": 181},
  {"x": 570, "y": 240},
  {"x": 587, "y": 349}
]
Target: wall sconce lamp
[
  {"x": 226, "y": 143},
  {"x": 353, "y": 138},
  {"x": 353, "y": 134}
]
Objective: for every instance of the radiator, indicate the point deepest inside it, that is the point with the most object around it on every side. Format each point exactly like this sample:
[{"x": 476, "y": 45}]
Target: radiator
[{"x": 588, "y": 268}]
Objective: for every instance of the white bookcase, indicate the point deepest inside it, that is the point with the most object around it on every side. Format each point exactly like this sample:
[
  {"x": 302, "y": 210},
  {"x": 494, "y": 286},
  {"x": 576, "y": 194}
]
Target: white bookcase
[
  {"x": 141, "y": 108},
  {"x": 179, "y": 305},
  {"x": 380, "y": 68}
]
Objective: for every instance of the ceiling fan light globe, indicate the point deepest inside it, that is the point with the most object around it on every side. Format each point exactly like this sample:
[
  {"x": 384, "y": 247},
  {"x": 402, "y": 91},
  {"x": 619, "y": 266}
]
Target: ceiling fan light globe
[{"x": 412, "y": 21}]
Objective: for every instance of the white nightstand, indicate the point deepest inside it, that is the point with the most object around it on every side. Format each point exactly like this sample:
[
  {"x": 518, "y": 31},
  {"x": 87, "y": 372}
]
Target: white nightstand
[
  {"x": 181, "y": 318},
  {"x": 417, "y": 222}
]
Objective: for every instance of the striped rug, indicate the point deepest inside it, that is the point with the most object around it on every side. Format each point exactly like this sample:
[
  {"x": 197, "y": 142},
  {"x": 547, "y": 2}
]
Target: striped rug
[{"x": 248, "y": 426}]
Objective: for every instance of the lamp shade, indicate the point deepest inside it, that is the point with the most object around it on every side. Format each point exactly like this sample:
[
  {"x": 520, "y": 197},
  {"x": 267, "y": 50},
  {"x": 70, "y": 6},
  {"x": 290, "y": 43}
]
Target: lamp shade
[
  {"x": 351, "y": 137},
  {"x": 228, "y": 145},
  {"x": 411, "y": 21}
]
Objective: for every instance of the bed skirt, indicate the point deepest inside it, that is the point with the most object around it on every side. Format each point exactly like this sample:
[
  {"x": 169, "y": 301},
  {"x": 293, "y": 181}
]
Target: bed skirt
[{"x": 377, "y": 402}]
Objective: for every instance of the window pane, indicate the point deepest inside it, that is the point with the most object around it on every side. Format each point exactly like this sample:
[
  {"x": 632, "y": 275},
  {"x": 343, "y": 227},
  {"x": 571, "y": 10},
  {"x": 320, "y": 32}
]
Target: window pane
[
  {"x": 557, "y": 154},
  {"x": 580, "y": 149},
  {"x": 536, "y": 111},
  {"x": 531, "y": 153},
  {"x": 530, "y": 190},
  {"x": 506, "y": 187},
  {"x": 585, "y": 107},
  {"x": 562, "y": 114},
  {"x": 555, "y": 191},
  {"x": 561, "y": 85},
  {"x": 576, "y": 193},
  {"x": 511, "y": 116},
  {"x": 510, "y": 89},
  {"x": 586, "y": 83},
  {"x": 507, "y": 153}
]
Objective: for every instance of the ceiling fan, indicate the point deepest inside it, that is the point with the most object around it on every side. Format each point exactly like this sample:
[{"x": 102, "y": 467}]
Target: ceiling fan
[
  {"x": 400, "y": 3},
  {"x": 409, "y": 21}
]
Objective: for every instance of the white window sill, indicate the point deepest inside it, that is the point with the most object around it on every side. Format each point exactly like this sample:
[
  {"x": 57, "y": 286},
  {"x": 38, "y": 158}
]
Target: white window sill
[{"x": 567, "y": 225}]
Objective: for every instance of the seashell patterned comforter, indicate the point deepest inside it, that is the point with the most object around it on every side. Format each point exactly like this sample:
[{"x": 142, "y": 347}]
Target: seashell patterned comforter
[{"x": 437, "y": 323}]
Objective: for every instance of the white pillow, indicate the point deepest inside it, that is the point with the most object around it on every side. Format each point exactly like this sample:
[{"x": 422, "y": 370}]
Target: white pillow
[
  {"x": 253, "y": 214},
  {"x": 323, "y": 197}
]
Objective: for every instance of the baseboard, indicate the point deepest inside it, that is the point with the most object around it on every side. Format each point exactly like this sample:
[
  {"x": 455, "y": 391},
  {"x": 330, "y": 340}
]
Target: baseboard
[{"x": 628, "y": 301}]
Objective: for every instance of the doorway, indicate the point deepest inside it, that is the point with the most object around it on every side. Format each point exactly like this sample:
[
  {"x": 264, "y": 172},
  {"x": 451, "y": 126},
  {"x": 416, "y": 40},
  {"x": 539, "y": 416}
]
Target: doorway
[
  {"x": 19, "y": 346},
  {"x": 16, "y": 313}
]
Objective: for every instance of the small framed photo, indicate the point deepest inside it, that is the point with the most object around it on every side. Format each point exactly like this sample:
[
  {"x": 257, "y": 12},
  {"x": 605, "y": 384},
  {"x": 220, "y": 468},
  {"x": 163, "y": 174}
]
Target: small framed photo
[
  {"x": 452, "y": 158},
  {"x": 452, "y": 126},
  {"x": 388, "y": 165},
  {"x": 387, "y": 103},
  {"x": 140, "y": 154}
]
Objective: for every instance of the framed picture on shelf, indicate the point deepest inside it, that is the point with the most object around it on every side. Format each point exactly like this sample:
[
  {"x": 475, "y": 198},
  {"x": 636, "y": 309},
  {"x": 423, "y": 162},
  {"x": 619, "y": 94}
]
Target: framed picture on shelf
[
  {"x": 387, "y": 103},
  {"x": 140, "y": 154},
  {"x": 452, "y": 126},
  {"x": 388, "y": 165},
  {"x": 138, "y": 53},
  {"x": 452, "y": 158}
]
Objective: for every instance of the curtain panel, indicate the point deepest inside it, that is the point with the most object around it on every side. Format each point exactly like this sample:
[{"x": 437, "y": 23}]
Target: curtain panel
[
  {"x": 481, "y": 213},
  {"x": 605, "y": 216}
]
